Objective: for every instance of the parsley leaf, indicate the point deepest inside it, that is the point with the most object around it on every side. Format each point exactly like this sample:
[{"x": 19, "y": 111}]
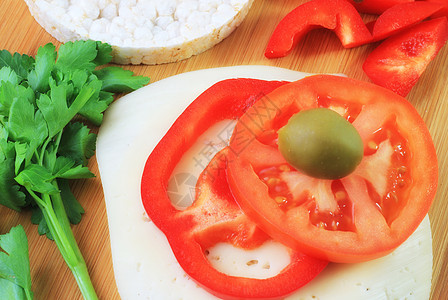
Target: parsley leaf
[
  {"x": 11, "y": 195},
  {"x": 78, "y": 143},
  {"x": 104, "y": 54},
  {"x": 37, "y": 218},
  {"x": 66, "y": 168},
  {"x": 37, "y": 178},
  {"x": 117, "y": 80},
  {"x": 26, "y": 124},
  {"x": 10, "y": 290},
  {"x": 21, "y": 64},
  {"x": 95, "y": 106},
  {"x": 15, "y": 265},
  {"x": 54, "y": 107},
  {"x": 10, "y": 92},
  {"x": 39, "y": 77},
  {"x": 73, "y": 207},
  {"x": 22, "y": 153},
  {"x": 78, "y": 55},
  {"x": 8, "y": 75}
]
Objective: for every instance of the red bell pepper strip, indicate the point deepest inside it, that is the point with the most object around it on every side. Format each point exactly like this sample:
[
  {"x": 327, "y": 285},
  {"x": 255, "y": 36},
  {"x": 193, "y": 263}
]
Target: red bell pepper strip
[
  {"x": 336, "y": 15},
  {"x": 214, "y": 216},
  {"x": 398, "y": 62},
  {"x": 444, "y": 11},
  {"x": 375, "y": 7},
  {"x": 402, "y": 16}
]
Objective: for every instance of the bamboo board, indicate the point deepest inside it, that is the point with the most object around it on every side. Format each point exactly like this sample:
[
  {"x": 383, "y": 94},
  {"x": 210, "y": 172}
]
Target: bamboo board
[{"x": 320, "y": 52}]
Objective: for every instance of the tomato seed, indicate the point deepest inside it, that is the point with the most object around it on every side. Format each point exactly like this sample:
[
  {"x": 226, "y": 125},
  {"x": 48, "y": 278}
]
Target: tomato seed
[
  {"x": 284, "y": 168},
  {"x": 340, "y": 195},
  {"x": 372, "y": 145},
  {"x": 273, "y": 181},
  {"x": 280, "y": 199}
]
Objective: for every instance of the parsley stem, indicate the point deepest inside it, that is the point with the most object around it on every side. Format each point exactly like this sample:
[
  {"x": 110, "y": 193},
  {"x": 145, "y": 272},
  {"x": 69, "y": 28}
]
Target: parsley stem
[
  {"x": 28, "y": 294},
  {"x": 44, "y": 147},
  {"x": 55, "y": 224},
  {"x": 58, "y": 139},
  {"x": 57, "y": 221},
  {"x": 79, "y": 267}
]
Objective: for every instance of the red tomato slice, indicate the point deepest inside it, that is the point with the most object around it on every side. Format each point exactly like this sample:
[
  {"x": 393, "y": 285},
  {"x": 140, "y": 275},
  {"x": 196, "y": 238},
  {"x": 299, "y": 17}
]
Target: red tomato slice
[
  {"x": 336, "y": 15},
  {"x": 398, "y": 62},
  {"x": 214, "y": 216},
  {"x": 402, "y": 16},
  {"x": 375, "y": 7},
  {"x": 362, "y": 216}
]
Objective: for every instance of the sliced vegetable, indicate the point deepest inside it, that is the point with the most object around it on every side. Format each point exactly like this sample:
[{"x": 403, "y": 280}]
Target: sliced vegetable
[
  {"x": 444, "y": 11},
  {"x": 362, "y": 216},
  {"x": 214, "y": 216},
  {"x": 402, "y": 16},
  {"x": 336, "y": 15},
  {"x": 399, "y": 61},
  {"x": 376, "y": 7}
]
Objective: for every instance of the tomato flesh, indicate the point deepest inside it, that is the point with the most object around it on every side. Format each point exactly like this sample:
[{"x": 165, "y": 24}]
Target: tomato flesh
[
  {"x": 400, "y": 175},
  {"x": 280, "y": 192},
  {"x": 278, "y": 189}
]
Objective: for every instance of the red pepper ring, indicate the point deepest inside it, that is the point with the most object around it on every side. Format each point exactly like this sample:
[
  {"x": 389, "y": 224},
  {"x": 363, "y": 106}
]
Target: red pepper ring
[
  {"x": 214, "y": 216},
  {"x": 225, "y": 100}
]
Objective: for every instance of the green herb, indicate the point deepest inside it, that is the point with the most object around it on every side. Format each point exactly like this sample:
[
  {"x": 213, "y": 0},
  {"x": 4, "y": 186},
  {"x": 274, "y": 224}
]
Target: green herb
[
  {"x": 15, "y": 278},
  {"x": 44, "y": 143}
]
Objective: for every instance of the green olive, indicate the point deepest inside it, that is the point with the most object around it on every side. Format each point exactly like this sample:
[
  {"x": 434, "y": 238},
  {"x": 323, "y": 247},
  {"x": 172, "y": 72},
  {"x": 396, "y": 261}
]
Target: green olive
[{"x": 321, "y": 143}]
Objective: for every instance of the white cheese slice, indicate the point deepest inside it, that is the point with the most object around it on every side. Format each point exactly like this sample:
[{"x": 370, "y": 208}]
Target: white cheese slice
[
  {"x": 144, "y": 265},
  {"x": 142, "y": 31}
]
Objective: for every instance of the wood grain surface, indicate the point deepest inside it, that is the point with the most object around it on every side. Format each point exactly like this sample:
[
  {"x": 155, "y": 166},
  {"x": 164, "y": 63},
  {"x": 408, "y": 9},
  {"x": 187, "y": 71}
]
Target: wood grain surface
[{"x": 319, "y": 52}]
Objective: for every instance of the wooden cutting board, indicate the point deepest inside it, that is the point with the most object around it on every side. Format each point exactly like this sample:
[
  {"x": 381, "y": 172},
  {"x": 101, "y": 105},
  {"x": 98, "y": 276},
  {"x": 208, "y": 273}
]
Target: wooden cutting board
[{"x": 320, "y": 52}]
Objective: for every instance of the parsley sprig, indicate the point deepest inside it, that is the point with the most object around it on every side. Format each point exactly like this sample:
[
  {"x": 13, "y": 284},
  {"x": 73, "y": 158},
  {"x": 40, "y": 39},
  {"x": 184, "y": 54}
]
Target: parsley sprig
[
  {"x": 15, "y": 278},
  {"x": 43, "y": 139}
]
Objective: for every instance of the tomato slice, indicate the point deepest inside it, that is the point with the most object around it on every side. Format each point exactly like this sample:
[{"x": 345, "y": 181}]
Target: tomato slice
[
  {"x": 398, "y": 62},
  {"x": 402, "y": 16},
  {"x": 362, "y": 216},
  {"x": 376, "y": 7},
  {"x": 336, "y": 15},
  {"x": 214, "y": 216}
]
